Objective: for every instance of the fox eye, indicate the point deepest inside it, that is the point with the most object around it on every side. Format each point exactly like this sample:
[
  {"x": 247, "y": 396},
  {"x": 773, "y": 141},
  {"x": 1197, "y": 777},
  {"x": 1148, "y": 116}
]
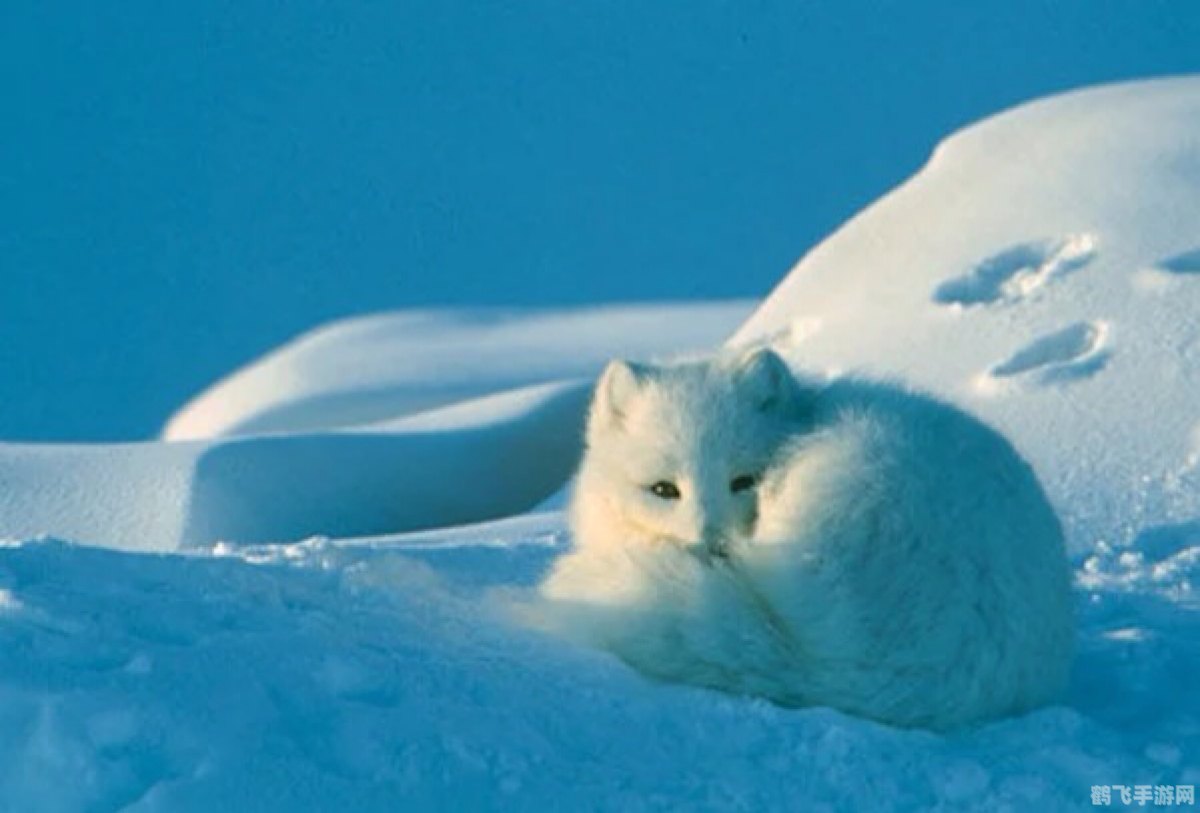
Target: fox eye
[
  {"x": 665, "y": 490},
  {"x": 742, "y": 483}
]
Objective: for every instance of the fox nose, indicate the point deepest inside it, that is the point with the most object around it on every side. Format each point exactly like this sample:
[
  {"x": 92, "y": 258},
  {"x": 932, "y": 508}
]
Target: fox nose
[{"x": 712, "y": 540}]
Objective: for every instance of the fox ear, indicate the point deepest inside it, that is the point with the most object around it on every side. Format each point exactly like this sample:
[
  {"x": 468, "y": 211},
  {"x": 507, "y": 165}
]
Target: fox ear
[
  {"x": 764, "y": 378},
  {"x": 618, "y": 385}
]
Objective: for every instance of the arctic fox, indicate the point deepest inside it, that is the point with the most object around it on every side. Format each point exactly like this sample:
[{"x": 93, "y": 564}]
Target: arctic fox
[{"x": 846, "y": 544}]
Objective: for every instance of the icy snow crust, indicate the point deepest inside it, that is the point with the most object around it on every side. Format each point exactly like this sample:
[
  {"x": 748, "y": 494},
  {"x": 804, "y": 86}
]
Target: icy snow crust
[{"x": 1040, "y": 271}]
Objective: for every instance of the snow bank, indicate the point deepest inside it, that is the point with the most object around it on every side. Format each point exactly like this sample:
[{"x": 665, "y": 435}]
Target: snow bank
[
  {"x": 378, "y": 425},
  {"x": 486, "y": 458},
  {"x": 385, "y": 366},
  {"x": 1037, "y": 273},
  {"x": 129, "y": 496}
]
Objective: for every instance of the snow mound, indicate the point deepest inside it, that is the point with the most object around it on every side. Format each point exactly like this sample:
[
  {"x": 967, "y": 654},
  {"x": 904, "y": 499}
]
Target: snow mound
[
  {"x": 378, "y": 425},
  {"x": 487, "y": 458},
  {"x": 386, "y": 366},
  {"x": 1040, "y": 271}
]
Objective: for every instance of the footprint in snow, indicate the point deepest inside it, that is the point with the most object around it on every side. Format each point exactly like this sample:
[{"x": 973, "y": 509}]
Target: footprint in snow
[
  {"x": 1073, "y": 353},
  {"x": 1018, "y": 271},
  {"x": 1186, "y": 263},
  {"x": 1162, "y": 276}
]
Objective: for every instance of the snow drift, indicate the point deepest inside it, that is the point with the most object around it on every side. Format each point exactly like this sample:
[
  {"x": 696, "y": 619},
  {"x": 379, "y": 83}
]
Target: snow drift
[
  {"x": 383, "y": 367},
  {"x": 366, "y": 436}
]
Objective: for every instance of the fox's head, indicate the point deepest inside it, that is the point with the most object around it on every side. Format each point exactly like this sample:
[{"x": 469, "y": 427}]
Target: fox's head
[{"x": 676, "y": 452}]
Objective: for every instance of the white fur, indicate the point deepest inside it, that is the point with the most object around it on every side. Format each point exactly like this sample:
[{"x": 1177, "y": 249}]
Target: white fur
[{"x": 897, "y": 559}]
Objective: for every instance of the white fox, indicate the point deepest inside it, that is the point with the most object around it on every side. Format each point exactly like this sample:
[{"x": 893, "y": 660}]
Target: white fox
[{"x": 848, "y": 544}]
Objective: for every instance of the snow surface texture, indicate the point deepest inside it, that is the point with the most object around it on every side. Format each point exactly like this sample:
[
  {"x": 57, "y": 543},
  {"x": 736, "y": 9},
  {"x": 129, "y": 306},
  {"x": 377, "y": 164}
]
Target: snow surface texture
[
  {"x": 384, "y": 447},
  {"x": 1040, "y": 271},
  {"x": 325, "y": 676}
]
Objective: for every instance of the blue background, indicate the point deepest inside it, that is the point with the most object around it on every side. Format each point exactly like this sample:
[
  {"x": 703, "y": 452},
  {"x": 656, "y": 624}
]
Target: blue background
[{"x": 187, "y": 185}]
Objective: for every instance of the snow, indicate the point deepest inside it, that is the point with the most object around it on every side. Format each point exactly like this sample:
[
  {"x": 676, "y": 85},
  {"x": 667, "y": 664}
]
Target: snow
[
  {"x": 1045, "y": 295},
  {"x": 416, "y": 472},
  {"x": 235, "y": 621},
  {"x": 417, "y": 360},
  {"x": 346, "y": 676},
  {"x": 413, "y": 458}
]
